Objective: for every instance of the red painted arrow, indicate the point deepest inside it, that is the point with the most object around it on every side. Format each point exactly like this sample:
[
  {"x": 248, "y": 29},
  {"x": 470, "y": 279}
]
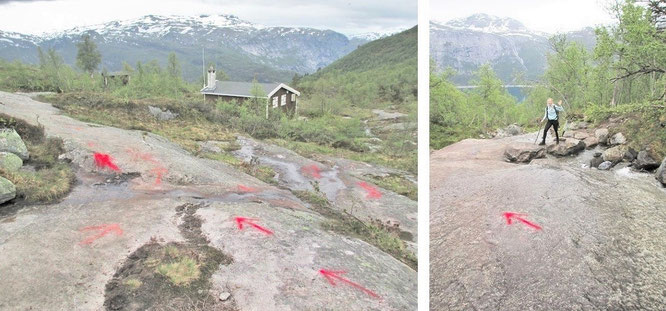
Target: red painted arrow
[
  {"x": 312, "y": 170},
  {"x": 249, "y": 221},
  {"x": 510, "y": 215},
  {"x": 373, "y": 193},
  {"x": 244, "y": 188},
  {"x": 103, "y": 230},
  {"x": 331, "y": 275},
  {"x": 104, "y": 160}
]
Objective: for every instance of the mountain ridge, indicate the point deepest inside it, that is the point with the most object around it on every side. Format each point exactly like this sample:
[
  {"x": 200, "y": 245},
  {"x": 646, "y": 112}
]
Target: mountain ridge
[
  {"x": 511, "y": 48},
  {"x": 242, "y": 49}
]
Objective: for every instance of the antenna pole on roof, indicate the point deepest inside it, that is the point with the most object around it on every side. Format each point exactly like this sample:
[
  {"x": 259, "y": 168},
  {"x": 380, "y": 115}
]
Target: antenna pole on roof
[{"x": 203, "y": 65}]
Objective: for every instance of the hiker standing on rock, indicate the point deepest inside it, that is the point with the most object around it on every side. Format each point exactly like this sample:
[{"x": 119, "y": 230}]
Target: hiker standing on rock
[{"x": 552, "y": 114}]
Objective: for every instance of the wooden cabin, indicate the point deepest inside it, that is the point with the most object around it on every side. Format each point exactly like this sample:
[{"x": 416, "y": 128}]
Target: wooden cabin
[
  {"x": 122, "y": 76},
  {"x": 276, "y": 95}
]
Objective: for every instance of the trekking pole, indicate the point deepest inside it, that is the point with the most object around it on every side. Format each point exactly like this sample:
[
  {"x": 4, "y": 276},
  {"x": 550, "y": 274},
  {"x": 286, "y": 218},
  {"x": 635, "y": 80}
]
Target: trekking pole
[{"x": 537, "y": 137}]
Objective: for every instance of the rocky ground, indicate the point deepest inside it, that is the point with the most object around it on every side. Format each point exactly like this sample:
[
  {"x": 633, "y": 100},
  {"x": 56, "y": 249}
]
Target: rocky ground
[
  {"x": 141, "y": 199},
  {"x": 553, "y": 234}
]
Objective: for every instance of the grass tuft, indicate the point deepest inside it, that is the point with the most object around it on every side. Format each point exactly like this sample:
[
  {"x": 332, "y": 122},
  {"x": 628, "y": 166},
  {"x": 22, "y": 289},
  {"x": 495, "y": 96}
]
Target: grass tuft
[
  {"x": 133, "y": 283},
  {"x": 180, "y": 272}
]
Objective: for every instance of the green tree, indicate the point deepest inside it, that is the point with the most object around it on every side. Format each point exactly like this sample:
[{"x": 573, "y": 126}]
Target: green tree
[
  {"x": 258, "y": 94},
  {"x": 52, "y": 66},
  {"x": 88, "y": 57},
  {"x": 173, "y": 66}
]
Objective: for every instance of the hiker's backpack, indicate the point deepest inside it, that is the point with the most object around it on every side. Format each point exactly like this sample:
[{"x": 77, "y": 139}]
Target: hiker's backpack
[{"x": 557, "y": 113}]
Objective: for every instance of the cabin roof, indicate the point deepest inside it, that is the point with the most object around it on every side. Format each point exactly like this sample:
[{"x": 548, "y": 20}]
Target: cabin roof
[{"x": 244, "y": 89}]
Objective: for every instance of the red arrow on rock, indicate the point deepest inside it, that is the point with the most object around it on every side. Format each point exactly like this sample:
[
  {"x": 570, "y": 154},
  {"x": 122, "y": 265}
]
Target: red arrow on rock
[
  {"x": 511, "y": 215},
  {"x": 249, "y": 221},
  {"x": 104, "y": 160},
  {"x": 103, "y": 230},
  {"x": 331, "y": 276}
]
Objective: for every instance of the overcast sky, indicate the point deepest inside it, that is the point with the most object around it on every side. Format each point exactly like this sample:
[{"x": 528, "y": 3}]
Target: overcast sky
[
  {"x": 543, "y": 15},
  {"x": 346, "y": 16}
]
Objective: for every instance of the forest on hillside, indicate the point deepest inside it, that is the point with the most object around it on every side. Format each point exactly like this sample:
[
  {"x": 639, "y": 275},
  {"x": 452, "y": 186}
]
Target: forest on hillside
[{"x": 623, "y": 76}]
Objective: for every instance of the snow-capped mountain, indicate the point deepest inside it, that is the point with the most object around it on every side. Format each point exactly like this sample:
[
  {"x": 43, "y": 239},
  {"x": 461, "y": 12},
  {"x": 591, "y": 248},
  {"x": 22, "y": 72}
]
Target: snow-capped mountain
[
  {"x": 504, "y": 43},
  {"x": 242, "y": 49},
  {"x": 370, "y": 36}
]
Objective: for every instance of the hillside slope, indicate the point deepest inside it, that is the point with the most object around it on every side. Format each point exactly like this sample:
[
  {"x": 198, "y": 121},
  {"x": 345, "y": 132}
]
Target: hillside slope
[{"x": 378, "y": 74}]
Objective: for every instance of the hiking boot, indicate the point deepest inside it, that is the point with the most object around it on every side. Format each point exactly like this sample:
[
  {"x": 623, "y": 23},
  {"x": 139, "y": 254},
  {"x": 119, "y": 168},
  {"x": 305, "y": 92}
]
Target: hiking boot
[{"x": 542, "y": 143}]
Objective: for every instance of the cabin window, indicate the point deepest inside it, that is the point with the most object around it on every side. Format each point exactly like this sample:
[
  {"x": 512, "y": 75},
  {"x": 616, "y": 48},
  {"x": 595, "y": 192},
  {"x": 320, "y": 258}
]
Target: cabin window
[
  {"x": 275, "y": 102},
  {"x": 293, "y": 97},
  {"x": 284, "y": 99}
]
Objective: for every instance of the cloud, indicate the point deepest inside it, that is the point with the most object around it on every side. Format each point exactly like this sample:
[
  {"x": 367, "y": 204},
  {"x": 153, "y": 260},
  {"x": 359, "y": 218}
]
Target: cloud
[{"x": 8, "y": 1}]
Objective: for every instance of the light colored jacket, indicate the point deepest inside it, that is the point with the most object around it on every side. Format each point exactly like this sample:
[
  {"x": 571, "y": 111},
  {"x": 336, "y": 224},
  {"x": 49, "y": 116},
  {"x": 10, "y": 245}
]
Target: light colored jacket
[{"x": 551, "y": 112}]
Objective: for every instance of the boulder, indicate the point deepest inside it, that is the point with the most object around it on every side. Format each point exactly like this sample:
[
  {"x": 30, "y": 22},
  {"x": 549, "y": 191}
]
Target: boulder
[
  {"x": 573, "y": 125},
  {"x": 209, "y": 147},
  {"x": 645, "y": 161},
  {"x": 661, "y": 173},
  {"x": 523, "y": 153},
  {"x": 162, "y": 115},
  {"x": 630, "y": 154},
  {"x": 617, "y": 139},
  {"x": 596, "y": 160},
  {"x": 580, "y": 135},
  {"x": 565, "y": 148},
  {"x": 513, "y": 130},
  {"x": 10, "y": 141},
  {"x": 614, "y": 154},
  {"x": 602, "y": 136},
  {"x": 10, "y": 161},
  {"x": 606, "y": 165},
  {"x": 591, "y": 142},
  {"x": 7, "y": 190}
]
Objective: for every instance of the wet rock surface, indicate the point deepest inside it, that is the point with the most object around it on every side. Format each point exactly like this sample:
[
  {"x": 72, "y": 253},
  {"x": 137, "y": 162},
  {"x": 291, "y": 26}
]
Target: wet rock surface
[
  {"x": 339, "y": 180},
  {"x": 61, "y": 256},
  {"x": 600, "y": 246}
]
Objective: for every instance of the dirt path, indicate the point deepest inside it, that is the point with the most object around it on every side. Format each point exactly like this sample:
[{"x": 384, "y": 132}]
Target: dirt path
[
  {"x": 63, "y": 256},
  {"x": 601, "y": 245}
]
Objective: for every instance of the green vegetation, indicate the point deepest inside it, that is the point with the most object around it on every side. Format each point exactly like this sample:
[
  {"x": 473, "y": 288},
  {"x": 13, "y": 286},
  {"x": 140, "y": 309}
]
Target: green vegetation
[
  {"x": 52, "y": 179},
  {"x": 455, "y": 115},
  {"x": 381, "y": 74},
  {"x": 182, "y": 271},
  {"x": 623, "y": 77},
  {"x": 88, "y": 57},
  {"x": 345, "y": 223},
  {"x": 133, "y": 283}
]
